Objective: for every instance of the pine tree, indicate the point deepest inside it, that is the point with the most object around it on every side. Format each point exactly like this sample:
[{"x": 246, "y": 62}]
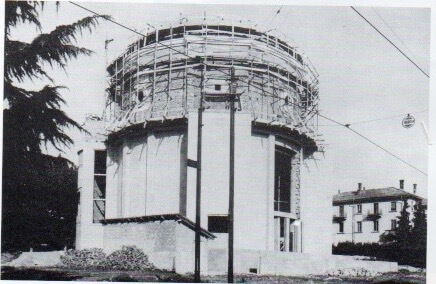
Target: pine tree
[
  {"x": 419, "y": 230},
  {"x": 35, "y": 117},
  {"x": 402, "y": 234},
  {"x": 32, "y": 119}
]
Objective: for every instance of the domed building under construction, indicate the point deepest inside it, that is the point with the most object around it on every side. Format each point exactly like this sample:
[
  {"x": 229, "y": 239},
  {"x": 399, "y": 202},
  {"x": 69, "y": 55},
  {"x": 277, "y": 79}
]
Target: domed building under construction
[{"x": 138, "y": 174}]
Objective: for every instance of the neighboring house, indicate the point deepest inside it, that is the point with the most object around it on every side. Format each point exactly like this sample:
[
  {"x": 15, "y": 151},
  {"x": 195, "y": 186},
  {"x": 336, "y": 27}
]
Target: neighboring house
[{"x": 365, "y": 214}]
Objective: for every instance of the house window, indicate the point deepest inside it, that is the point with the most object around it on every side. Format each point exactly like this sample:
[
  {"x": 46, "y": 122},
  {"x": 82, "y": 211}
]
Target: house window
[
  {"x": 218, "y": 223},
  {"x": 341, "y": 227},
  {"x": 217, "y": 87},
  {"x": 393, "y": 225},
  {"x": 394, "y": 206},
  {"x": 375, "y": 226},
  {"x": 282, "y": 183},
  {"x": 359, "y": 208},
  {"x": 359, "y": 227},
  {"x": 99, "y": 191},
  {"x": 341, "y": 211},
  {"x": 375, "y": 208}
]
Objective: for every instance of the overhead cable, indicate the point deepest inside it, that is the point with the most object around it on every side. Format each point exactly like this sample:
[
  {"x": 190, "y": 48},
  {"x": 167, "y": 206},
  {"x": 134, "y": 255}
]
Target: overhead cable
[{"x": 393, "y": 44}]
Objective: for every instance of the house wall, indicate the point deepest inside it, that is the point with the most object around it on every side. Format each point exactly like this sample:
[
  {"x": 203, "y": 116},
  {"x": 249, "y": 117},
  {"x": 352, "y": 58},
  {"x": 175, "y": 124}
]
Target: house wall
[{"x": 368, "y": 234}]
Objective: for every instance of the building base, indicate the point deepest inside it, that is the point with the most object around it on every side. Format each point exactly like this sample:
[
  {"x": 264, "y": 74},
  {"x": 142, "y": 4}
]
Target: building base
[{"x": 168, "y": 240}]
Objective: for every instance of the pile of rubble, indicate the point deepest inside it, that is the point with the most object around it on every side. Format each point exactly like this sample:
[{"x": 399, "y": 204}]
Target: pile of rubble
[{"x": 352, "y": 272}]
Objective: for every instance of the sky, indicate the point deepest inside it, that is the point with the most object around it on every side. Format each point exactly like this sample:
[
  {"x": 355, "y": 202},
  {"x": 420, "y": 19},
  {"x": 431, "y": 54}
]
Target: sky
[{"x": 362, "y": 77}]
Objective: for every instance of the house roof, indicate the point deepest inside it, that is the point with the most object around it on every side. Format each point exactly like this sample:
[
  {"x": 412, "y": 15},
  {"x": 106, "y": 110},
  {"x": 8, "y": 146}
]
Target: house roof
[
  {"x": 161, "y": 218},
  {"x": 377, "y": 194}
]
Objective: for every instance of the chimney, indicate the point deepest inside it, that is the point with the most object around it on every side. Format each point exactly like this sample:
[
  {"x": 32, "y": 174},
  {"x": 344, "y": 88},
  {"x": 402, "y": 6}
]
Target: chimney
[
  {"x": 414, "y": 188},
  {"x": 401, "y": 184},
  {"x": 359, "y": 186}
]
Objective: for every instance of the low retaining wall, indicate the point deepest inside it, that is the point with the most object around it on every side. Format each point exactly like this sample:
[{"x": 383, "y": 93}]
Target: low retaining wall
[{"x": 291, "y": 264}]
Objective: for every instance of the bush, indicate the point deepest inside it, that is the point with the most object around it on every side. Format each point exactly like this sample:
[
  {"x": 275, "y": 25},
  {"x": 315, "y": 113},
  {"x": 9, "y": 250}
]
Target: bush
[
  {"x": 128, "y": 258},
  {"x": 403, "y": 254},
  {"x": 85, "y": 258}
]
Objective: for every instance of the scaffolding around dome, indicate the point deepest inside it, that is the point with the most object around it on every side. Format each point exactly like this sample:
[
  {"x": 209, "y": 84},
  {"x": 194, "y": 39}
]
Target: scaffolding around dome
[{"x": 163, "y": 76}]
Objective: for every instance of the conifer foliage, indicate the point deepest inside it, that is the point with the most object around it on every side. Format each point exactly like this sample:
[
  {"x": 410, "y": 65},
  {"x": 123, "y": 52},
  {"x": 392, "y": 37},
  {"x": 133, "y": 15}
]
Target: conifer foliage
[
  {"x": 39, "y": 191},
  {"x": 419, "y": 231},
  {"x": 402, "y": 234}
]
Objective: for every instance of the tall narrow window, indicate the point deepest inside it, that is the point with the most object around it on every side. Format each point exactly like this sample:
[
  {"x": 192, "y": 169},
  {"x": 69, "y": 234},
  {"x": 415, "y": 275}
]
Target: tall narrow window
[
  {"x": 375, "y": 208},
  {"x": 341, "y": 227},
  {"x": 99, "y": 192},
  {"x": 282, "y": 184},
  {"x": 359, "y": 208},
  {"x": 393, "y": 225},
  {"x": 393, "y": 206},
  {"x": 359, "y": 227},
  {"x": 341, "y": 211},
  {"x": 375, "y": 226}
]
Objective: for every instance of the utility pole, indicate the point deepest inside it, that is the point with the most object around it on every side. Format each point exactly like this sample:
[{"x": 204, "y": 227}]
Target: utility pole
[
  {"x": 232, "y": 173},
  {"x": 198, "y": 194}
]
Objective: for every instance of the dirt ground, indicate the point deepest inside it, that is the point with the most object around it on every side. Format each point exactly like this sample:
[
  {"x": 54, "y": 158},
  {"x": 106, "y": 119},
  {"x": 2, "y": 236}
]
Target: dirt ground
[{"x": 62, "y": 274}]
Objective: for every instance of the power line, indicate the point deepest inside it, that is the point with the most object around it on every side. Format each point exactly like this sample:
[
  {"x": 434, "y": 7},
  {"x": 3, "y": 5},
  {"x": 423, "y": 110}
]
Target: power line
[
  {"x": 377, "y": 119},
  {"x": 393, "y": 44},
  {"x": 271, "y": 94},
  {"x": 272, "y": 20},
  {"x": 372, "y": 142},
  {"x": 396, "y": 35},
  {"x": 383, "y": 118}
]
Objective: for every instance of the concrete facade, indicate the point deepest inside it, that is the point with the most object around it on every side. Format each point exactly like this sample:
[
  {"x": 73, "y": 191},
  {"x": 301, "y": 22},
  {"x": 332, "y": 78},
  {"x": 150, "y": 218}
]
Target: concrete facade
[{"x": 147, "y": 174}]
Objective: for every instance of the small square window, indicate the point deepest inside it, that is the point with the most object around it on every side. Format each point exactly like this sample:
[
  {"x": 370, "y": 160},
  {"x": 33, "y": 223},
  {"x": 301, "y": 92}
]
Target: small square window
[
  {"x": 217, "y": 87},
  {"x": 218, "y": 224}
]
